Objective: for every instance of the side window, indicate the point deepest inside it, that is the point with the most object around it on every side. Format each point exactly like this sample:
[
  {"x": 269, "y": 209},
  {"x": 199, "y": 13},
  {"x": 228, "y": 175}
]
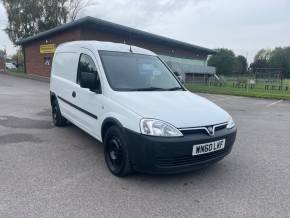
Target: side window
[{"x": 86, "y": 64}]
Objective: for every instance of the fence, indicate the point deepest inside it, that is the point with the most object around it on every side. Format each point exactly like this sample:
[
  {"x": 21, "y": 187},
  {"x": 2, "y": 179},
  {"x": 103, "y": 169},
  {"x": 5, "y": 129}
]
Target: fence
[{"x": 244, "y": 81}]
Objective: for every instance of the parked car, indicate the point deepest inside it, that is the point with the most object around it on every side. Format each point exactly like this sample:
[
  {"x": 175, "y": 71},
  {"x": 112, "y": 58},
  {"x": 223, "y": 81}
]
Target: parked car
[
  {"x": 10, "y": 66},
  {"x": 129, "y": 100}
]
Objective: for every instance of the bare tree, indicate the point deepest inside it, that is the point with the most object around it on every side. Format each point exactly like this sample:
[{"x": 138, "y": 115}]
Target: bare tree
[{"x": 75, "y": 6}]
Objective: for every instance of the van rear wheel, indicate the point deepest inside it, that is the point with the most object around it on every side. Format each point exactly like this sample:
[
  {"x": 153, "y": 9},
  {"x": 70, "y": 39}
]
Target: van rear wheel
[
  {"x": 57, "y": 118},
  {"x": 116, "y": 152}
]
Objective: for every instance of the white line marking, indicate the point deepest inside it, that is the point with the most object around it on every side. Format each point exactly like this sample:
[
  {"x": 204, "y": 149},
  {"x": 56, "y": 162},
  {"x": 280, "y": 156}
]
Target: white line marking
[{"x": 276, "y": 102}]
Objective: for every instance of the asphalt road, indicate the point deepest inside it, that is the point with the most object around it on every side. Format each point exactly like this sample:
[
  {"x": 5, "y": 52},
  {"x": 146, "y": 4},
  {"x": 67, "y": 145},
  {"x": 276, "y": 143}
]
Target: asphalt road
[{"x": 60, "y": 172}]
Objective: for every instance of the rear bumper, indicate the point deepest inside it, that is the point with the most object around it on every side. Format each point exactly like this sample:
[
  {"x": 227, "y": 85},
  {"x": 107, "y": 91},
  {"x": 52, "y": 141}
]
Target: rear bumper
[{"x": 174, "y": 155}]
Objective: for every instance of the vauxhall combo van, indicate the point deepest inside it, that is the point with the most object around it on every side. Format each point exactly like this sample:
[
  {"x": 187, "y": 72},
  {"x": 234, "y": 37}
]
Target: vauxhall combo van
[{"x": 127, "y": 98}]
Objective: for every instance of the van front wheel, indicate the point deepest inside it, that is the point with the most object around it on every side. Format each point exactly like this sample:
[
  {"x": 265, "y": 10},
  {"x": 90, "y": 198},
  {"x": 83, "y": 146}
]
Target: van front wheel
[
  {"x": 116, "y": 152},
  {"x": 57, "y": 118}
]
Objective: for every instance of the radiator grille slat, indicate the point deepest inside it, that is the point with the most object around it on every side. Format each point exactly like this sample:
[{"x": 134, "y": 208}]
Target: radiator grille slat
[{"x": 187, "y": 159}]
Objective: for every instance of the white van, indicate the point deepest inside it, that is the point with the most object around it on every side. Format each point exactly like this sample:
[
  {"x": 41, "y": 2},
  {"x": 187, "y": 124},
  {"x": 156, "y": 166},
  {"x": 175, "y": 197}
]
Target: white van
[{"x": 129, "y": 100}]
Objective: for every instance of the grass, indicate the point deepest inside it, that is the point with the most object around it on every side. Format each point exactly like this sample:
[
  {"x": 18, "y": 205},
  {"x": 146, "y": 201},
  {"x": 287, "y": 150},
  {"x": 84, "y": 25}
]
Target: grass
[{"x": 258, "y": 92}]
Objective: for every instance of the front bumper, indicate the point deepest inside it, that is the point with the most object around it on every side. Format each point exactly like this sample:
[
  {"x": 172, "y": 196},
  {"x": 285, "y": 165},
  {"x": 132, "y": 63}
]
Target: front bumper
[{"x": 162, "y": 155}]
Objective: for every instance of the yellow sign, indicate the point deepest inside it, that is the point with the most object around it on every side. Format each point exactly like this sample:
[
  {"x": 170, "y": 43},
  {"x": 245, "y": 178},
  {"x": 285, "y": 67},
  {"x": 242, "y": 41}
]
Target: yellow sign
[{"x": 47, "y": 49}]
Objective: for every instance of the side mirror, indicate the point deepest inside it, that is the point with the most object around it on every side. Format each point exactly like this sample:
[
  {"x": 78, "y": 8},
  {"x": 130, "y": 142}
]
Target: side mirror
[{"x": 89, "y": 80}]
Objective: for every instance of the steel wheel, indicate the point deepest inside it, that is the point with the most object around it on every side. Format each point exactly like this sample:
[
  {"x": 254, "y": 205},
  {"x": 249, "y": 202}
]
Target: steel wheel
[
  {"x": 57, "y": 118},
  {"x": 54, "y": 113},
  {"x": 116, "y": 152}
]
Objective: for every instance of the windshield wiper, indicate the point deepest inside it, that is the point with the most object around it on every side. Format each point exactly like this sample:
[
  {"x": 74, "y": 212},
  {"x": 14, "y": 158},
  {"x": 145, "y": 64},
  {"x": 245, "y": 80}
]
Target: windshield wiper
[
  {"x": 149, "y": 89},
  {"x": 175, "y": 88}
]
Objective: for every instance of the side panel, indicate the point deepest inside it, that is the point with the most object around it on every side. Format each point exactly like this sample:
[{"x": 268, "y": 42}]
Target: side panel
[
  {"x": 65, "y": 65},
  {"x": 63, "y": 77}
]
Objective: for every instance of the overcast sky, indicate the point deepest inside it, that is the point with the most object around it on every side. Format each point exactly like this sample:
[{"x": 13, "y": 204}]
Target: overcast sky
[{"x": 242, "y": 25}]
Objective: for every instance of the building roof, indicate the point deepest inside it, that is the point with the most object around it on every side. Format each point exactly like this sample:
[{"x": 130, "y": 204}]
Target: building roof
[{"x": 109, "y": 26}]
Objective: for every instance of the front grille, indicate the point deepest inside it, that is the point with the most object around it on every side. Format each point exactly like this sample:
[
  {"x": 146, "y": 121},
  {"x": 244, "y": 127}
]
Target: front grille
[
  {"x": 202, "y": 130},
  {"x": 221, "y": 127},
  {"x": 193, "y": 131},
  {"x": 187, "y": 159}
]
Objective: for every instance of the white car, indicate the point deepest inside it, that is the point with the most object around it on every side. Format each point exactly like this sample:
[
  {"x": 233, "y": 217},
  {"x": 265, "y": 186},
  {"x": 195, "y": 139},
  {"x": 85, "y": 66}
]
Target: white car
[
  {"x": 129, "y": 100},
  {"x": 10, "y": 66}
]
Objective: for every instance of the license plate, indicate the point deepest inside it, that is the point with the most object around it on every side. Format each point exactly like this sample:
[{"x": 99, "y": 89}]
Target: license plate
[{"x": 208, "y": 147}]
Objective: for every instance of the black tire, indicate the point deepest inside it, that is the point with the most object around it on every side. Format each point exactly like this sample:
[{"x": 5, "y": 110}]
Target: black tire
[
  {"x": 57, "y": 118},
  {"x": 116, "y": 152}
]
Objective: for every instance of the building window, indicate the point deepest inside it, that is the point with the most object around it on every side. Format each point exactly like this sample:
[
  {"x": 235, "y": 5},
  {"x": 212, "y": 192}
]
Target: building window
[{"x": 47, "y": 61}]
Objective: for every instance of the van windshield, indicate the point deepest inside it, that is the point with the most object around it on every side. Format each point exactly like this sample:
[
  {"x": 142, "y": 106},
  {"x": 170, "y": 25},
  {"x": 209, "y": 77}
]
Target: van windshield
[{"x": 137, "y": 72}]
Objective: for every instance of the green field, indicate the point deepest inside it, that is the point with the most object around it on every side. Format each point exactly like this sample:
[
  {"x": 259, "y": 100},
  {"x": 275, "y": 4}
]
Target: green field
[{"x": 258, "y": 92}]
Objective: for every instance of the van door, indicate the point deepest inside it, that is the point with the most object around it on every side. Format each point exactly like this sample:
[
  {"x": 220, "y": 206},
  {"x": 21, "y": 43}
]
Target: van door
[{"x": 87, "y": 102}]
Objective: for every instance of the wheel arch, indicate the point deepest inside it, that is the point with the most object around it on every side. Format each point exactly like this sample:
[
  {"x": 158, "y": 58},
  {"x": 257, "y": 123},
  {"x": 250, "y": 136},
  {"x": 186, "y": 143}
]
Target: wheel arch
[{"x": 107, "y": 123}]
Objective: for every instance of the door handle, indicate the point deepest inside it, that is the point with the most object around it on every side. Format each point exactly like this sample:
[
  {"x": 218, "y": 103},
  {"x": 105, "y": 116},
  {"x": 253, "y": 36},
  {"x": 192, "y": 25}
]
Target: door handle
[{"x": 74, "y": 94}]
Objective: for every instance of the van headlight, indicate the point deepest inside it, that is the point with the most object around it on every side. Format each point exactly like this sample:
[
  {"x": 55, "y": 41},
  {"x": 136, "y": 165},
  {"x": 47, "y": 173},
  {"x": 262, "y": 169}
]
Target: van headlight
[
  {"x": 231, "y": 123},
  {"x": 158, "y": 128}
]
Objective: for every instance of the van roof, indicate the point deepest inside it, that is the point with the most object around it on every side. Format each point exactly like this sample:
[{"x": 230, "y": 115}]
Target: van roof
[{"x": 101, "y": 46}]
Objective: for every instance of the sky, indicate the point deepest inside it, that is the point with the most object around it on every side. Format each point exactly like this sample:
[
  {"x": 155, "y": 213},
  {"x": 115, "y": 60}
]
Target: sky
[{"x": 245, "y": 26}]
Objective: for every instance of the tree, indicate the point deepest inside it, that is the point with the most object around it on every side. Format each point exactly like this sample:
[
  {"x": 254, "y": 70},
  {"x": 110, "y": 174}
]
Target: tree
[
  {"x": 29, "y": 17},
  {"x": 259, "y": 63},
  {"x": 280, "y": 58},
  {"x": 223, "y": 60},
  {"x": 18, "y": 58},
  {"x": 76, "y": 6},
  {"x": 52, "y": 13},
  {"x": 2, "y": 53},
  {"x": 261, "y": 60},
  {"x": 240, "y": 65},
  {"x": 22, "y": 18},
  {"x": 263, "y": 54}
]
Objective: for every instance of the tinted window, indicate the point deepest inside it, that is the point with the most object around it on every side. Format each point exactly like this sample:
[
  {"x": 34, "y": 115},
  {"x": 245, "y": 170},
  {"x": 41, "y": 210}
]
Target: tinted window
[
  {"x": 136, "y": 72},
  {"x": 86, "y": 64}
]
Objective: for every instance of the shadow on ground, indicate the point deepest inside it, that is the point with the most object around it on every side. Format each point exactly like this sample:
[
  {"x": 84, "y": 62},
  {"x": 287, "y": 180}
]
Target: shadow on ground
[
  {"x": 24, "y": 123},
  {"x": 17, "y": 138}
]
